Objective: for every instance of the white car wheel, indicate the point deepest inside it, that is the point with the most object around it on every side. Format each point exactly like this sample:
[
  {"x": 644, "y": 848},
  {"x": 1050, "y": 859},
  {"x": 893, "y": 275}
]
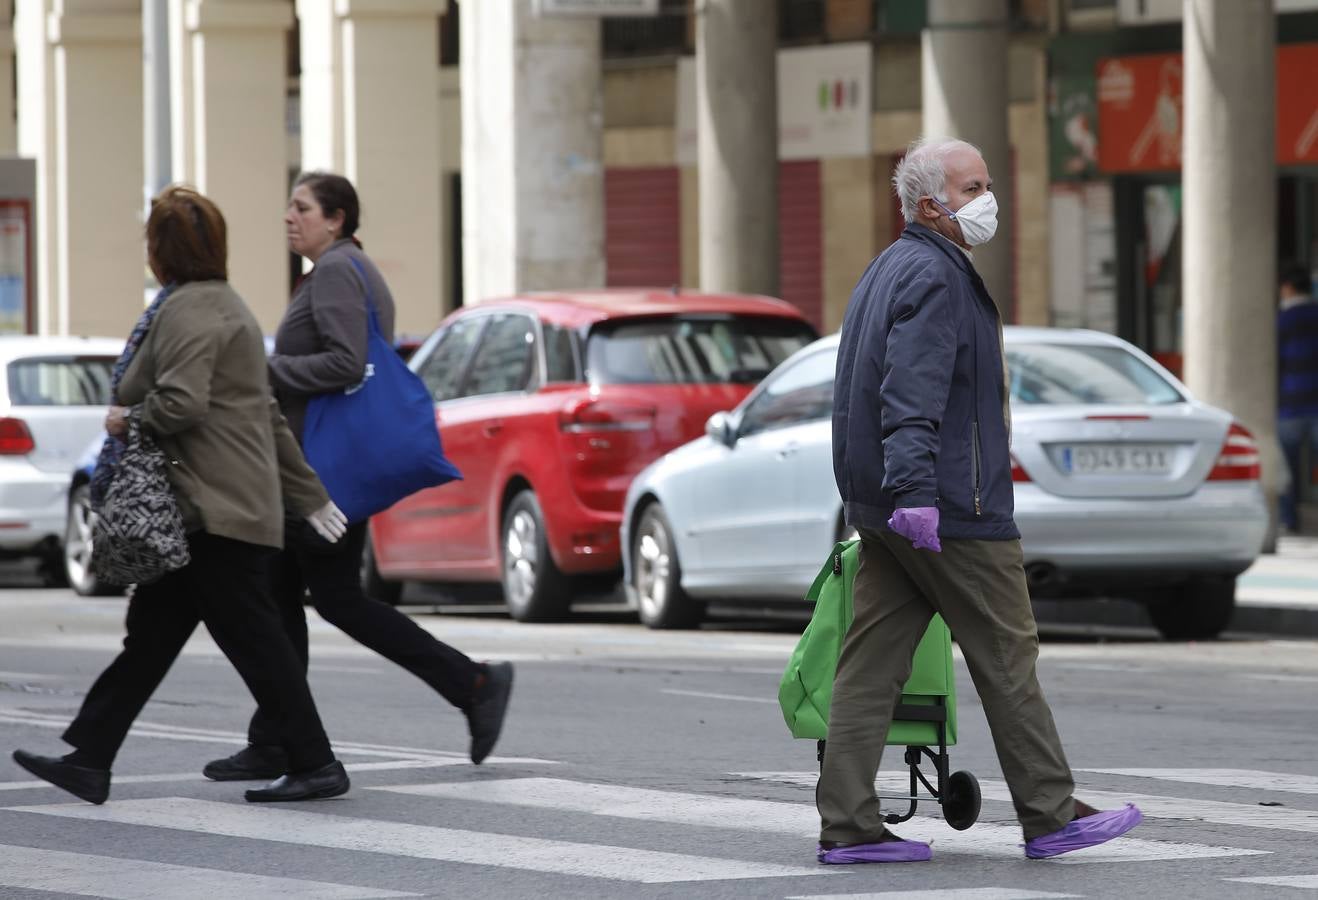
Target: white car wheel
[
  {"x": 78, "y": 530},
  {"x": 657, "y": 577}
]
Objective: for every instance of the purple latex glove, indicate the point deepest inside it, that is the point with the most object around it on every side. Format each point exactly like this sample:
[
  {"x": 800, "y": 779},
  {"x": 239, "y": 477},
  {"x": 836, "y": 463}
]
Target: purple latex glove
[{"x": 919, "y": 525}]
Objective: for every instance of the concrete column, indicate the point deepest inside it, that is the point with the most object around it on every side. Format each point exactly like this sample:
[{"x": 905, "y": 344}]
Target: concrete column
[
  {"x": 1229, "y": 240},
  {"x": 848, "y": 214},
  {"x": 737, "y": 144},
  {"x": 237, "y": 108},
  {"x": 964, "y": 95},
  {"x": 36, "y": 140},
  {"x": 532, "y": 150},
  {"x": 97, "y": 208},
  {"x": 363, "y": 63}
]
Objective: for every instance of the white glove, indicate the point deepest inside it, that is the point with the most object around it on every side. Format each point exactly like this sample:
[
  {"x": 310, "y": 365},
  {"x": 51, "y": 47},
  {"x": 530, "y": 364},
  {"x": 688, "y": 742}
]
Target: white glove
[{"x": 329, "y": 522}]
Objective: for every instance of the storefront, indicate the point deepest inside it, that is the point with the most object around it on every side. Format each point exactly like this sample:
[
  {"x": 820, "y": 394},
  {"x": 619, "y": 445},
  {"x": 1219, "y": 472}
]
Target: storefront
[{"x": 1116, "y": 202}]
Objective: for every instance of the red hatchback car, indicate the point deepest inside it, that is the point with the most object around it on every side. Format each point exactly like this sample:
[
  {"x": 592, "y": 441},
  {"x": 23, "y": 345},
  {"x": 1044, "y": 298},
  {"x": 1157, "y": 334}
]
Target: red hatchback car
[{"x": 550, "y": 404}]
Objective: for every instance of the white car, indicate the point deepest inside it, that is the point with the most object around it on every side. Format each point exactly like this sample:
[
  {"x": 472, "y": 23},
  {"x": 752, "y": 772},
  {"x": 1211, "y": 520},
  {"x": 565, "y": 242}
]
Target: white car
[
  {"x": 53, "y": 398},
  {"x": 1125, "y": 486}
]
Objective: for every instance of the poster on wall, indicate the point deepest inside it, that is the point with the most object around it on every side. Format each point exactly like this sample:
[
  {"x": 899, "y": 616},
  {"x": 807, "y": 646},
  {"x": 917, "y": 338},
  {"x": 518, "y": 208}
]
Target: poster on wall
[
  {"x": 1297, "y": 104},
  {"x": 824, "y": 103},
  {"x": 13, "y": 267},
  {"x": 1073, "y": 127}
]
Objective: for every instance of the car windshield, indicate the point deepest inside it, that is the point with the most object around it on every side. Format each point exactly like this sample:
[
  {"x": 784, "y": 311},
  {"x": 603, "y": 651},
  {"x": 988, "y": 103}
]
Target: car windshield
[
  {"x": 1098, "y": 374},
  {"x": 64, "y": 381},
  {"x": 692, "y": 350}
]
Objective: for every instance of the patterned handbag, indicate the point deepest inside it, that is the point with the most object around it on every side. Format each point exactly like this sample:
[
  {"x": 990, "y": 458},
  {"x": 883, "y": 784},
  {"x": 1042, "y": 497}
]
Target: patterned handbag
[{"x": 138, "y": 535}]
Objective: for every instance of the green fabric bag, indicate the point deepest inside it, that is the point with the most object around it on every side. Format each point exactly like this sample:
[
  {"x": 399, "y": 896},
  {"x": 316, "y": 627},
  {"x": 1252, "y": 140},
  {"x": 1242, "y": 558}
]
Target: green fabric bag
[{"x": 806, "y": 688}]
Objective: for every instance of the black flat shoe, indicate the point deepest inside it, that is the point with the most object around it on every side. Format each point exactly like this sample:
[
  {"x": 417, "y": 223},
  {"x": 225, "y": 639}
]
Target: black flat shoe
[
  {"x": 319, "y": 784},
  {"x": 92, "y": 785},
  {"x": 485, "y": 718},
  {"x": 255, "y": 762}
]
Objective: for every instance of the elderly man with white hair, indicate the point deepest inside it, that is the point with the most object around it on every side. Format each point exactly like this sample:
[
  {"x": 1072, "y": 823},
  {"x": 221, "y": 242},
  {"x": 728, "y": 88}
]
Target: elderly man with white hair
[{"x": 921, "y": 428}]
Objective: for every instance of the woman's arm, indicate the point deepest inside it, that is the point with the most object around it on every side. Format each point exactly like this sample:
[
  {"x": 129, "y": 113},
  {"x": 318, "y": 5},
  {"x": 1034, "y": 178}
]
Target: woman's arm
[
  {"x": 338, "y": 308},
  {"x": 185, "y": 342}
]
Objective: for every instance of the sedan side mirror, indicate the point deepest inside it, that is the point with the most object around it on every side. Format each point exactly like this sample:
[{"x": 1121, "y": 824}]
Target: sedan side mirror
[{"x": 719, "y": 427}]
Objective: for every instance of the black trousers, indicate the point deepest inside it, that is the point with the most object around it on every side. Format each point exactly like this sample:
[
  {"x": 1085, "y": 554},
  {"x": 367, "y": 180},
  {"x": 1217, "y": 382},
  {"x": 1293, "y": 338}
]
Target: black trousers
[
  {"x": 227, "y": 587},
  {"x": 332, "y": 573}
]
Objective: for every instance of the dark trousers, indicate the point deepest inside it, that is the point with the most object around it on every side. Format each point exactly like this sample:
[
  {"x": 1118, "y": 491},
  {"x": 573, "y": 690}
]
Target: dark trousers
[
  {"x": 1295, "y": 435},
  {"x": 226, "y": 586},
  {"x": 979, "y": 588},
  {"x": 332, "y": 573}
]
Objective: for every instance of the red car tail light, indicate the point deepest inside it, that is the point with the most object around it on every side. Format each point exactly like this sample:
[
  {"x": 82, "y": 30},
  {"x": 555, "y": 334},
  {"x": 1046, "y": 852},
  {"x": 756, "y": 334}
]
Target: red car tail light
[
  {"x": 1239, "y": 459},
  {"x": 1018, "y": 473},
  {"x": 15, "y": 439},
  {"x": 605, "y": 415}
]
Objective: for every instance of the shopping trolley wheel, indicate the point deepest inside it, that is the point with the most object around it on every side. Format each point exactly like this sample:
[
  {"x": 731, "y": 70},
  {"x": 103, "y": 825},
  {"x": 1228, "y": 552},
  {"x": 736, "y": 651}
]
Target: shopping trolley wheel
[{"x": 961, "y": 800}]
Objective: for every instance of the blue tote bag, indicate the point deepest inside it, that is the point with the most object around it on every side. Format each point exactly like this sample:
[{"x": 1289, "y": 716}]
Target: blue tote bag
[{"x": 376, "y": 442}]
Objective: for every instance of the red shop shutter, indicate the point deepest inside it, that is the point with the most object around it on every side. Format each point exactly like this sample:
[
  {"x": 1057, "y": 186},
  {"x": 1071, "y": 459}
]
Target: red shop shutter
[
  {"x": 801, "y": 238},
  {"x": 643, "y": 227}
]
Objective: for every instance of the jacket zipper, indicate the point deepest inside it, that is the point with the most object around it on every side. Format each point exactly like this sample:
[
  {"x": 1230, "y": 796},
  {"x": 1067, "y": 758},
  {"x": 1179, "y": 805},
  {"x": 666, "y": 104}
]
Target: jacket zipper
[{"x": 974, "y": 464}]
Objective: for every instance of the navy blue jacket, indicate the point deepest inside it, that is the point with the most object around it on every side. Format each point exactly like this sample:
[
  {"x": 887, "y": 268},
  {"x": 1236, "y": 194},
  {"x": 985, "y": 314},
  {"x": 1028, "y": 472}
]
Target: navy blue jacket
[
  {"x": 1297, "y": 359},
  {"x": 918, "y": 402}
]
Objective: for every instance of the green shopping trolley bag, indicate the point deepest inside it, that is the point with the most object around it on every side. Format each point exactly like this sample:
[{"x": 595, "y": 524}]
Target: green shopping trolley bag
[{"x": 926, "y": 714}]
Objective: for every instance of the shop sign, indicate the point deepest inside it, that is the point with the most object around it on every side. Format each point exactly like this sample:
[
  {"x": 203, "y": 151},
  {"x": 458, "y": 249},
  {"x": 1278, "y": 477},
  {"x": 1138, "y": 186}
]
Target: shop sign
[
  {"x": 824, "y": 105},
  {"x": 1073, "y": 127},
  {"x": 1141, "y": 110},
  {"x": 1149, "y": 12},
  {"x": 1297, "y": 104}
]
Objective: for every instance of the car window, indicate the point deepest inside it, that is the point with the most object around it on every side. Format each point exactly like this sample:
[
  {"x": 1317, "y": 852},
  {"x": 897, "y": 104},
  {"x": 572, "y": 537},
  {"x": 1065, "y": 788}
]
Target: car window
[
  {"x": 1099, "y": 374},
  {"x": 505, "y": 359},
  {"x": 692, "y": 350},
  {"x": 442, "y": 370},
  {"x": 560, "y": 354},
  {"x": 72, "y": 381},
  {"x": 801, "y": 393}
]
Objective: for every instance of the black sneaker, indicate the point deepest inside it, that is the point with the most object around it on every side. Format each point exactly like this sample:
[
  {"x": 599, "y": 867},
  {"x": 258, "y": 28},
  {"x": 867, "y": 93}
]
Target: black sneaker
[
  {"x": 92, "y": 785},
  {"x": 255, "y": 762},
  {"x": 485, "y": 718}
]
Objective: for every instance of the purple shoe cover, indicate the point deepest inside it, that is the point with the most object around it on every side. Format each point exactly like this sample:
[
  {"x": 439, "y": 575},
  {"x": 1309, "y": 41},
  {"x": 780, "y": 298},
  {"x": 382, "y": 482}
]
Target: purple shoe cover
[
  {"x": 882, "y": 852},
  {"x": 1087, "y": 832}
]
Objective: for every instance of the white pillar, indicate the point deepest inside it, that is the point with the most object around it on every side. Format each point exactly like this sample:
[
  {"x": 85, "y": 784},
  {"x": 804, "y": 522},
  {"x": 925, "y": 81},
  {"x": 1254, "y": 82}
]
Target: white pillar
[
  {"x": 97, "y": 208},
  {"x": 1229, "y": 243},
  {"x": 236, "y": 136},
  {"x": 36, "y": 140},
  {"x": 370, "y": 110},
  {"x": 964, "y": 90},
  {"x": 737, "y": 145},
  {"x": 532, "y": 150}
]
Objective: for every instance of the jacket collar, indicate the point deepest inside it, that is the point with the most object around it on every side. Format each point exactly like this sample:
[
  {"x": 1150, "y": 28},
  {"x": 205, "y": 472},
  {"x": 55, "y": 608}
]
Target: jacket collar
[{"x": 926, "y": 235}]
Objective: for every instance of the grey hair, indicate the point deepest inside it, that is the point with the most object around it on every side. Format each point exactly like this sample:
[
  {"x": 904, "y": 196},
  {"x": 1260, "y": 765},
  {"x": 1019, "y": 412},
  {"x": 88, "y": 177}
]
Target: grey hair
[{"x": 922, "y": 172}]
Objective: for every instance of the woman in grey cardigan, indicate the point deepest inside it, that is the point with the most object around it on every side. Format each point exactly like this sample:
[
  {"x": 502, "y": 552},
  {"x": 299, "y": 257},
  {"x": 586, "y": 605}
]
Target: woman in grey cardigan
[{"x": 320, "y": 347}]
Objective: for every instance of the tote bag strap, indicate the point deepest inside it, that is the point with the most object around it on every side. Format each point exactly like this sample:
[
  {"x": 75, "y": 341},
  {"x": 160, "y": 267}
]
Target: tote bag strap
[{"x": 371, "y": 316}]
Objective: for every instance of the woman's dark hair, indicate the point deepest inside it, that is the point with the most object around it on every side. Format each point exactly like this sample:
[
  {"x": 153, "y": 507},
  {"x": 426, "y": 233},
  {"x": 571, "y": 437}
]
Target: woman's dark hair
[
  {"x": 186, "y": 238},
  {"x": 1298, "y": 278},
  {"x": 334, "y": 193}
]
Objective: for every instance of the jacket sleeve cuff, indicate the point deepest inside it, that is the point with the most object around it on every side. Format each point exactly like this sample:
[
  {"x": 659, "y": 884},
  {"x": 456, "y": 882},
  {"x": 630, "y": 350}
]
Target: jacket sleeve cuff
[{"x": 917, "y": 499}]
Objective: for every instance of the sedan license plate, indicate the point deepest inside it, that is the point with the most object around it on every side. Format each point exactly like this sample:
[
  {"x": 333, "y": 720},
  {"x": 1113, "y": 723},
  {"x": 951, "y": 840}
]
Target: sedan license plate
[{"x": 1116, "y": 459}]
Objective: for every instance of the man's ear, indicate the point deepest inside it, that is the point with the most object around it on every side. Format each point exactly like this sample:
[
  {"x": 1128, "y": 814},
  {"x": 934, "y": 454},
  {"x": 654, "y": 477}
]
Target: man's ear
[{"x": 929, "y": 209}]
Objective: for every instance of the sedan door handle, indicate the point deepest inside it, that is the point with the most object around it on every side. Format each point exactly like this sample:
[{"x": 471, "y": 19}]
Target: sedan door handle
[
  {"x": 490, "y": 429},
  {"x": 789, "y": 450}
]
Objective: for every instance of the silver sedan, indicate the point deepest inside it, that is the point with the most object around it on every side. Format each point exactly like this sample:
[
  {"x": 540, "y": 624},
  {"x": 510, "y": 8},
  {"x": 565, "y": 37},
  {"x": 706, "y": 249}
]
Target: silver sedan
[{"x": 1125, "y": 486}]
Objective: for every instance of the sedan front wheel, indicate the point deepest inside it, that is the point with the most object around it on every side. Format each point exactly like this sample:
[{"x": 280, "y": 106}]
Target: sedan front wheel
[
  {"x": 78, "y": 547},
  {"x": 657, "y": 575}
]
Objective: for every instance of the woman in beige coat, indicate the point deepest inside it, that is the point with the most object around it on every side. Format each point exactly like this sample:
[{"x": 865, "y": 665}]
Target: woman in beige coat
[{"x": 193, "y": 374}]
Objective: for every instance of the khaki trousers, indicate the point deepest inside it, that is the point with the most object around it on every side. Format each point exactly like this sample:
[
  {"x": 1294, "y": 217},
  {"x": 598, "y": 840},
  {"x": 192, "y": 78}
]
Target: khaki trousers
[{"x": 979, "y": 588}]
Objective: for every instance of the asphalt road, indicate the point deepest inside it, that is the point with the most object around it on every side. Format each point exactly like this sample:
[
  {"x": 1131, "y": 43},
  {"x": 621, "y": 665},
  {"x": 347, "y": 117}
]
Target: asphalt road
[{"x": 642, "y": 764}]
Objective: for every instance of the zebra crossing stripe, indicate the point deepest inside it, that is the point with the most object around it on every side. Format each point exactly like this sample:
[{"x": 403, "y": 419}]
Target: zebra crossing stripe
[
  {"x": 770, "y": 816},
  {"x": 1153, "y": 806},
  {"x": 984, "y": 893},
  {"x": 1303, "y": 882},
  {"x": 59, "y": 871},
  {"x": 420, "y": 841},
  {"x": 1251, "y": 779}
]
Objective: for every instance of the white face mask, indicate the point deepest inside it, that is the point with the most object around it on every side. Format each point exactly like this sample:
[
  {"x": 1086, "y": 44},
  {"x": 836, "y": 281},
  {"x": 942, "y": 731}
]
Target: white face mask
[{"x": 978, "y": 218}]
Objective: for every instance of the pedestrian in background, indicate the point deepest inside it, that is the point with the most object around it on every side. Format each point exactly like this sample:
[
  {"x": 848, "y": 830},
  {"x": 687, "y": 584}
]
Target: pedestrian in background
[
  {"x": 1297, "y": 385},
  {"x": 921, "y": 428},
  {"x": 320, "y": 347},
  {"x": 193, "y": 375}
]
